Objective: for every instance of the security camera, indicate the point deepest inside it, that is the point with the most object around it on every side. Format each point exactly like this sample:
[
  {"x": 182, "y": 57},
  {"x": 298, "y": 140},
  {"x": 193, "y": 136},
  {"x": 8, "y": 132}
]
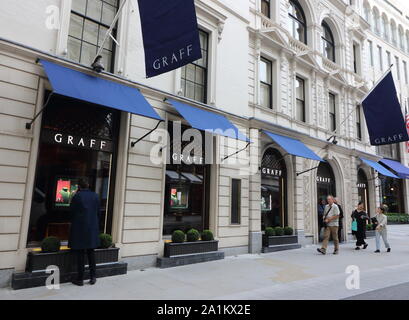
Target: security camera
[{"x": 97, "y": 65}]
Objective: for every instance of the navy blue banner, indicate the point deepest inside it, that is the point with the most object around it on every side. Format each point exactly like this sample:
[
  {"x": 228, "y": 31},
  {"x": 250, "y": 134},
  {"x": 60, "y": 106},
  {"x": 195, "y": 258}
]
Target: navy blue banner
[
  {"x": 383, "y": 114},
  {"x": 170, "y": 34}
]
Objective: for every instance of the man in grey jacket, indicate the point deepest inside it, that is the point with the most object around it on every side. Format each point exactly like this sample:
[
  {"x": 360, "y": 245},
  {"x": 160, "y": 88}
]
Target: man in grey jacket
[{"x": 331, "y": 220}]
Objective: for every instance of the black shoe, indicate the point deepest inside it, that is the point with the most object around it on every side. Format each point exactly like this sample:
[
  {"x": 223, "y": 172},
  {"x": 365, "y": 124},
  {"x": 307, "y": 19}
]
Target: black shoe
[
  {"x": 357, "y": 248},
  {"x": 93, "y": 280},
  {"x": 321, "y": 251},
  {"x": 389, "y": 250},
  {"x": 377, "y": 251},
  {"x": 336, "y": 252},
  {"x": 365, "y": 246},
  {"x": 78, "y": 282}
]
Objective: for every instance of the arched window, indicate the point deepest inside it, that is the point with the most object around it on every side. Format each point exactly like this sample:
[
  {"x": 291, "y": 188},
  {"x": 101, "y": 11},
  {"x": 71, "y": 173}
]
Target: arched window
[
  {"x": 377, "y": 21},
  {"x": 385, "y": 28},
  {"x": 328, "y": 43},
  {"x": 367, "y": 12},
  {"x": 407, "y": 41},
  {"x": 298, "y": 27},
  {"x": 394, "y": 33},
  {"x": 401, "y": 39}
]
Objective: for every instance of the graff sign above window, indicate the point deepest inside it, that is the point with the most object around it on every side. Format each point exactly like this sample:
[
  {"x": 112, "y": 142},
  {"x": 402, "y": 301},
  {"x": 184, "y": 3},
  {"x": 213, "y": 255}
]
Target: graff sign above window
[
  {"x": 324, "y": 180},
  {"x": 271, "y": 172},
  {"x": 70, "y": 140}
]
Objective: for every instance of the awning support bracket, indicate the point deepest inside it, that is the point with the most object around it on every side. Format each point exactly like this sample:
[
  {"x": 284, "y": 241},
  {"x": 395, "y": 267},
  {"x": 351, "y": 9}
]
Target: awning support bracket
[
  {"x": 29, "y": 124},
  {"x": 144, "y": 136},
  {"x": 233, "y": 154},
  {"x": 305, "y": 171}
]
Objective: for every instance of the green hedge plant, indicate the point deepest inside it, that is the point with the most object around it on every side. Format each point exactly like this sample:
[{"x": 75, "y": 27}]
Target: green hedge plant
[
  {"x": 207, "y": 235},
  {"x": 50, "y": 244},
  {"x": 270, "y": 232},
  {"x": 288, "y": 231},
  {"x": 105, "y": 240},
  {"x": 279, "y": 231},
  {"x": 192, "y": 235},
  {"x": 369, "y": 227},
  {"x": 178, "y": 236}
]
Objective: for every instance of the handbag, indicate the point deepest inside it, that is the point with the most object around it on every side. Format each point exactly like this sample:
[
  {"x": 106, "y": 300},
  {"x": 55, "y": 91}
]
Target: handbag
[
  {"x": 324, "y": 224},
  {"x": 354, "y": 225}
]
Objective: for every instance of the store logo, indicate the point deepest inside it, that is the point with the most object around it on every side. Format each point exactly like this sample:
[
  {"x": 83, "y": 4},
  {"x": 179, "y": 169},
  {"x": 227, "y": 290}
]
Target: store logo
[
  {"x": 69, "y": 140},
  {"x": 175, "y": 58},
  {"x": 323, "y": 180},
  {"x": 271, "y": 172}
]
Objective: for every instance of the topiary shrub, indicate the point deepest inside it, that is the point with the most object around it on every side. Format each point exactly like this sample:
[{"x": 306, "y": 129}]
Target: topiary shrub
[
  {"x": 279, "y": 231},
  {"x": 50, "y": 244},
  {"x": 207, "y": 235},
  {"x": 192, "y": 235},
  {"x": 288, "y": 231},
  {"x": 270, "y": 232},
  {"x": 178, "y": 236},
  {"x": 105, "y": 240}
]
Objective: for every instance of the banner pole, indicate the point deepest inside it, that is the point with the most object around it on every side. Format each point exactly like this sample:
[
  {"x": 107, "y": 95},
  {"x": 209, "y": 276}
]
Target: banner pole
[
  {"x": 374, "y": 86},
  {"x": 376, "y": 83},
  {"x": 107, "y": 34}
]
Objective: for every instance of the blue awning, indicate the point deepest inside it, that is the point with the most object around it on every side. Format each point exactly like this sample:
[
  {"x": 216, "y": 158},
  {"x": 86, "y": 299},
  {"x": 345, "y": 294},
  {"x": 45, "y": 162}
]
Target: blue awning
[
  {"x": 293, "y": 146},
  {"x": 400, "y": 169},
  {"x": 85, "y": 87},
  {"x": 381, "y": 169},
  {"x": 208, "y": 121}
]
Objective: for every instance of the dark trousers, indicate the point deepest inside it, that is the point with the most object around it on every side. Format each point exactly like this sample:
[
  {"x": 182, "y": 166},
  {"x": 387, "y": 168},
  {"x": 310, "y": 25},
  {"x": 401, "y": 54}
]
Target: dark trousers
[
  {"x": 360, "y": 240},
  {"x": 81, "y": 263}
]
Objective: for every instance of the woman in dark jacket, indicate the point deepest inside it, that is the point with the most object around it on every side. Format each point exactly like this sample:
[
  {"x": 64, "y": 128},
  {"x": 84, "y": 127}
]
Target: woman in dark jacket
[
  {"x": 360, "y": 216},
  {"x": 84, "y": 232}
]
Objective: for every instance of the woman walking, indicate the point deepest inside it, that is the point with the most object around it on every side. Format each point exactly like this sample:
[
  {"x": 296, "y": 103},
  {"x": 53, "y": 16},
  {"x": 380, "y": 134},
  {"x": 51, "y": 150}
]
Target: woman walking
[
  {"x": 359, "y": 218},
  {"x": 380, "y": 231}
]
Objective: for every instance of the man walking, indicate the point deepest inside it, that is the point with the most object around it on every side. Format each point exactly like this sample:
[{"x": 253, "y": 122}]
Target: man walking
[
  {"x": 341, "y": 217},
  {"x": 84, "y": 233},
  {"x": 331, "y": 216}
]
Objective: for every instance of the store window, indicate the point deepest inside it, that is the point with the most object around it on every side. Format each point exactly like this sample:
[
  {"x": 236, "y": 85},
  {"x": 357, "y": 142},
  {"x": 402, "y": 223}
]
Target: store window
[
  {"x": 89, "y": 22},
  {"x": 194, "y": 75},
  {"x": 187, "y": 183},
  {"x": 391, "y": 192},
  {"x": 298, "y": 27},
  {"x": 300, "y": 99},
  {"x": 362, "y": 186},
  {"x": 273, "y": 190},
  {"x": 266, "y": 88},
  {"x": 78, "y": 140}
]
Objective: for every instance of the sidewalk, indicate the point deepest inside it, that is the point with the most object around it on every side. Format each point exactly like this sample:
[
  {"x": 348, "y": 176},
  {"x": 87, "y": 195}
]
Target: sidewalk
[{"x": 294, "y": 274}]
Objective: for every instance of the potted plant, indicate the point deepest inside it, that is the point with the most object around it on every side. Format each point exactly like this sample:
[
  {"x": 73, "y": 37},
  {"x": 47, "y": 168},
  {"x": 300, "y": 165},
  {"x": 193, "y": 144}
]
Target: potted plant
[
  {"x": 370, "y": 232},
  {"x": 279, "y": 236},
  {"x": 192, "y": 245},
  {"x": 51, "y": 254}
]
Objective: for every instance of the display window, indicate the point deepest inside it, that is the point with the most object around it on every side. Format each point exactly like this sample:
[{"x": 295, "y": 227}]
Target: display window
[
  {"x": 186, "y": 187},
  {"x": 273, "y": 190},
  {"x": 363, "y": 190},
  {"x": 77, "y": 140}
]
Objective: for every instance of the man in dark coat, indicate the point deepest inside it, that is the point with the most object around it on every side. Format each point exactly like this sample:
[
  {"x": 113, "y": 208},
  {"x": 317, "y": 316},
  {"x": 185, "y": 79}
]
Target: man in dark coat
[{"x": 84, "y": 233}]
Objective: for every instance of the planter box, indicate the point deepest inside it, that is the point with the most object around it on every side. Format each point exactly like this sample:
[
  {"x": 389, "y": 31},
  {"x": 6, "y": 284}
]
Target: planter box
[
  {"x": 178, "y": 249},
  {"x": 370, "y": 233},
  {"x": 279, "y": 240},
  {"x": 66, "y": 260}
]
